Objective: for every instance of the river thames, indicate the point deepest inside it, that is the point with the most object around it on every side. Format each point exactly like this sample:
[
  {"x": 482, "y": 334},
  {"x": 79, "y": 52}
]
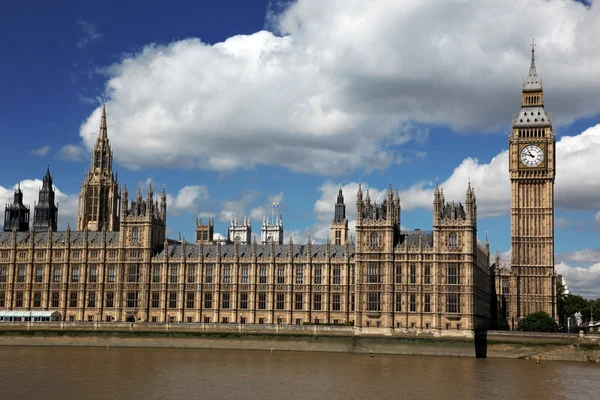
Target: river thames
[{"x": 135, "y": 374}]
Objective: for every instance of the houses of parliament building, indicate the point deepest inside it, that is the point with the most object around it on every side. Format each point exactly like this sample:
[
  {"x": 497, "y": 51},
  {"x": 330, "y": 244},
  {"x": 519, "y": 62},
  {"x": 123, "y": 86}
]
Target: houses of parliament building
[{"x": 118, "y": 264}]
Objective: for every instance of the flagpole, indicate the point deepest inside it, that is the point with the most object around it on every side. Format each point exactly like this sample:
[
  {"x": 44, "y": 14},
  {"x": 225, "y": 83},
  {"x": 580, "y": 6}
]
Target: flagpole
[{"x": 272, "y": 209}]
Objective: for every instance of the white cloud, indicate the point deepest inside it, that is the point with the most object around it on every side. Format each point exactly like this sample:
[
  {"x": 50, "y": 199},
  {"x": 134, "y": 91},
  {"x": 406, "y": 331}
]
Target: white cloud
[
  {"x": 576, "y": 188},
  {"x": 597, "y": 220},
  {"x": 42, "y": 151},
  {"x": 346, "y": 77},
  {"x": 582, "y": 281},
  {"x": 580, "y": 256},
  {"x": 72, "y": 152},
  {"x": 188, "y": 199},
  {"x": 89, "y": 31},
  {"x": 237, "y": 206},
  {"x": 67, "y": 203}
]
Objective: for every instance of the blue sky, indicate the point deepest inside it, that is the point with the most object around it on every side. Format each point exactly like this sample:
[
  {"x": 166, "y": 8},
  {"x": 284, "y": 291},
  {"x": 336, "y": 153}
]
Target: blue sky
[{"x": 235, "y": 104}]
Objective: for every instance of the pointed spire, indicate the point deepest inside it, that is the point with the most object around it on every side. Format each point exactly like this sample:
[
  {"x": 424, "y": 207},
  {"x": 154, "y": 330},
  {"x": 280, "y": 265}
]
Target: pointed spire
[
  {"x": 103, "y": 131},
  {"x": 533, "y": 81}
]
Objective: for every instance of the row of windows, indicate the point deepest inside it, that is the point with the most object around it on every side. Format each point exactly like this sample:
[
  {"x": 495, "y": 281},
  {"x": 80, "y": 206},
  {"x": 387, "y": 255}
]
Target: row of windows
[
  {"x": 374, "y": 274},
  {"x": 226, "y": 301}
]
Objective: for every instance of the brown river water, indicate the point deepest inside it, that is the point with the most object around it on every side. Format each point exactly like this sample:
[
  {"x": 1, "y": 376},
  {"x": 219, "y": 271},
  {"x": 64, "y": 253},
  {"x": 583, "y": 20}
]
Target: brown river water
[{"x": 95, "y": 373}]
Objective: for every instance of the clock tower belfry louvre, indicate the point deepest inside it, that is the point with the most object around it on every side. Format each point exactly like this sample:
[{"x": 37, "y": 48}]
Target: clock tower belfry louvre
[{"x": 532, "y": 165}]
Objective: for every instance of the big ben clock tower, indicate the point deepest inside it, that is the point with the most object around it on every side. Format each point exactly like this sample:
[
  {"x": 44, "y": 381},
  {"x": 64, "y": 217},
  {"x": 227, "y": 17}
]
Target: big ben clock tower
[{"x": 532, "y": 164}]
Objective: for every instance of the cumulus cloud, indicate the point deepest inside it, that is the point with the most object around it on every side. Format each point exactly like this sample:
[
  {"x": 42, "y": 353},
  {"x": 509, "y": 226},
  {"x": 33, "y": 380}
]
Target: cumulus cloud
[
  {"x": 72, "y": 152},
  {"x": 582, "y": 281},
  {"x": 188, "y": 199},
  {"x": 42, "y": 151},
  {"x": 67, "y": 203},
  {"x": 238, "y": 206},
  {"x": 575, "y": 187},
  {"x": 327, "y": 91}
]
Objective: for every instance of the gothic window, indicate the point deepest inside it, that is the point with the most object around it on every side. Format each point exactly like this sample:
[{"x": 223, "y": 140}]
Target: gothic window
[
  {"x": 262, "y": 301},
  {"x": 452, "y": 274},
  {"x": 21, "y": 274},
  {"x": 132, "y": 299},
  {"x": 92, "y": 299},
  {"x": 263, "y": 274},
  {"x": 244, "y": 301},
  {"x": 316, "y": 302},
  {"x": 172, "y": 299},
  {"x": 452, "y": 303},
  {"x": 208, "y": 300},
  {"x": 111, "y": 275},
  {"x": 298, "y": 305},
  {"x": 173, "y": 277},
  {"x": 318, "y": 275},
  {"x": 280, "y": 301},
  {"x": 133, "y": 274},
  {"x": 413, "y": 302},
  {"x": 505, "y": 287},
  {"x": 190, "y": 300},
  {"x": 413, "y": 274},
  {"x": 135, "y": 235},
  {"x": 208, "y": 276},
  {"x": 452, "y": 240},
  {"x": 299, "y": 274},
  {"x": 244, "y": 279},
  {"x": 374, "y": 240},
  {"x": 398, "y": 274},
  {"x": 373, "y": 301},
  {"x": 155, "y": 299},
  {"x": 373, "y": 272},
  {"x": 427, "y": 275},
  {"x": 280, "y": 275},
  {"x": 39, "y": 274},
  {"x": 237, "y": 238},
  {"x": 338, "y": 237},
  {"x": 336, "y": 275},
  {"x": 156, "y": 274},
  {"x": 110, "y": 299},
  {"x": 93, "y": 274},
  {"x": 227, "y": 274},
  {"x": 191, "y": 274},
  {"x": 427, "y": 303},
  {"x": 57, "y": 274},
  {"x": 335, "y": 302},
  {"x": 73, "y": 299}
]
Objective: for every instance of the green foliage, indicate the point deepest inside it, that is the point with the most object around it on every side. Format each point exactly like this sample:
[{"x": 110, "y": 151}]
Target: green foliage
[{"x": 539, "y": 322}]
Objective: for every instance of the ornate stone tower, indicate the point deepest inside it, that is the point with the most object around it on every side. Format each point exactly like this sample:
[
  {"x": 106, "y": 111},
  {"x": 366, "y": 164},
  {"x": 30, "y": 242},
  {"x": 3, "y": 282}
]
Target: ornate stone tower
[
  {"x": 532, "y": 150},
  {"x": 455, "y": 224},
  {"x": 205, "y": 232},
  {"x": 241, "y": 233},
  {"x": 339, "y": 225},
  {"x": 377, "y": 232},
  {"x": 16, "y": 215},
  {"x": 272, "y": 231},
  {"x": 143, "y": 222},
  {"x": 46, "y": 212},
  {"x": 99, "y": 196}
]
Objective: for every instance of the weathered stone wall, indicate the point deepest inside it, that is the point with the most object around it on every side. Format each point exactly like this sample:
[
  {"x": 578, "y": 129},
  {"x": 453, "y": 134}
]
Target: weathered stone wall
[{"x": 494, "y": 344}]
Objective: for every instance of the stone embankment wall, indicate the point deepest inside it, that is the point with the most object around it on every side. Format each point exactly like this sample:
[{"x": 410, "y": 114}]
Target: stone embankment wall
[{"x": 493, "y": 344}]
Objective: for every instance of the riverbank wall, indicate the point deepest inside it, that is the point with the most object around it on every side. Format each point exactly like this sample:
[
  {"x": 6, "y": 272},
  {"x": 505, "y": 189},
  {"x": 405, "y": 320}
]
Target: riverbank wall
[{"x": 318, "y": 338}]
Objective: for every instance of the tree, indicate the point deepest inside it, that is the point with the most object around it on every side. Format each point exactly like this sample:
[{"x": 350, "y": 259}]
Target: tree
[
  {"x": 539, "y": 322},
  {"x": 574, "y": 303},
  {"x": 560, "y": 301}
]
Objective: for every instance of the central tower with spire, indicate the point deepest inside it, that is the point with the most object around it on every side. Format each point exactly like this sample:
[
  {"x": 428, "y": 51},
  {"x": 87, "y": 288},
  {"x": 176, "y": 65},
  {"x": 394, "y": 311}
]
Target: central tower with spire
[
  {"x": 532, "y": 166},
  {"x": 99, "y": 197}
]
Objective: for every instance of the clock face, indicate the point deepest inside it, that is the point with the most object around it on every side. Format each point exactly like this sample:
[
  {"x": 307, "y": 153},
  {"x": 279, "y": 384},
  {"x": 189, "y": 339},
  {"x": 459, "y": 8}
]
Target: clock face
[{"x": 531, "y": 156}]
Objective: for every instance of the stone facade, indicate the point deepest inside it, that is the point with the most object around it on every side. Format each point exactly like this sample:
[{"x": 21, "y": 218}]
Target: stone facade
[
  {"x": 119, "y": 266},
  {"x": 532, "y": 163}
]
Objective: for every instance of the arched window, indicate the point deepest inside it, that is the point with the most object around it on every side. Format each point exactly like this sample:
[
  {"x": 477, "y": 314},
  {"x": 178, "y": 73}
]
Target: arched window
[
  {"x": 374, "y": 242},
  {"x": 452, "y": 240},
  {"x": 135, "y": 235}
]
